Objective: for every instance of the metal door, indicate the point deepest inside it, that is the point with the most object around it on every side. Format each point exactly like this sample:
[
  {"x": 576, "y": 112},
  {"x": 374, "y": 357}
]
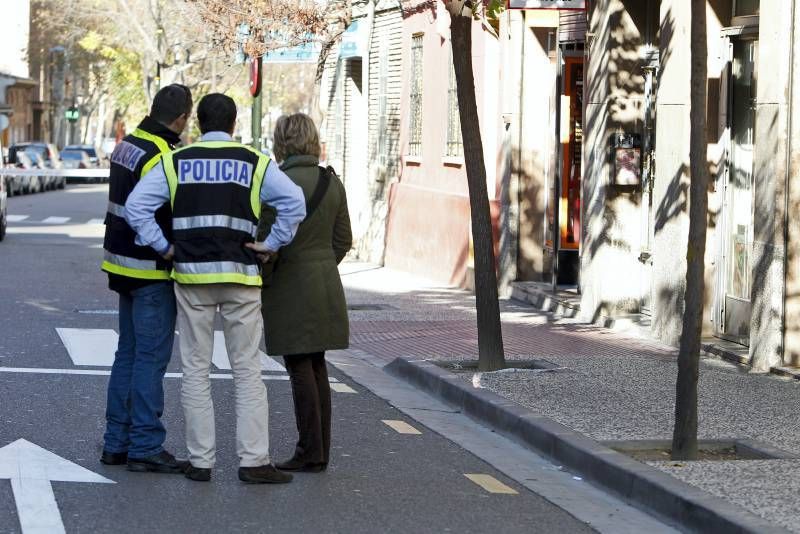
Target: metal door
[{"x": 738, "y": 201}]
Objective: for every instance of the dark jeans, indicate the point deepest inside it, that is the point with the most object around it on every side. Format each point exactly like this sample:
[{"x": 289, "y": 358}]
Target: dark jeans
[
  {"x": 311, "y": 392},
  {"x": 135, "y": 390}
]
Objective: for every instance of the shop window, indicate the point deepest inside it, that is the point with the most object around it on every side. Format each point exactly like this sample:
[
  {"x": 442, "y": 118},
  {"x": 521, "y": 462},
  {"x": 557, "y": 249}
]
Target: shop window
[
  {"x": 455, "y": 145},
  {"x": 415, "y": 107}
]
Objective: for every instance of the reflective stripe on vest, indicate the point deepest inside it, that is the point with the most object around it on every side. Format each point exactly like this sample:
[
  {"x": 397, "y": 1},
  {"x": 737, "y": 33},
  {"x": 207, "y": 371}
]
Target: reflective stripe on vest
[
  {"x": 214, "y": 221},
  {"x": 217, "y": 272},
  {"x": 116, "y": 209},
  {"x": 124, "y": 265},
  {"x": 132, "y": 267}
]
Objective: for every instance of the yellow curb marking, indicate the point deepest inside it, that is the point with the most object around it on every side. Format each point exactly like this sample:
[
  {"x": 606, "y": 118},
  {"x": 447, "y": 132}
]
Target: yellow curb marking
[
  {"x": 491, "y": 484},
  {"x": 342, "y": 388},
  {"x": 401, "y": 427}
]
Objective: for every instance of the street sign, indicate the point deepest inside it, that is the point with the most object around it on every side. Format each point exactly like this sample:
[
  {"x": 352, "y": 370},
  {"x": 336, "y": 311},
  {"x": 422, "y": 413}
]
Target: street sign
[
  {"x": 302, "y": 53},
  {"x": 72, "y": 114},
  {"x": 548, "y": 4},
  {"x": 31, "y": 469},
  {"x": 255, "y": 76}
]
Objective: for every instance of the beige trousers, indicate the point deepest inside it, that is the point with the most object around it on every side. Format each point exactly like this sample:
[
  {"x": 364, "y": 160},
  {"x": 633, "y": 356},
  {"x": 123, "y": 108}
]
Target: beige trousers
[{"x": 240, "y": 309}]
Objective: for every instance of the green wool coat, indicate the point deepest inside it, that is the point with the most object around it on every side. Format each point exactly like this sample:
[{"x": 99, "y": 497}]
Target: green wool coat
[{"x": 303, "y": 301}]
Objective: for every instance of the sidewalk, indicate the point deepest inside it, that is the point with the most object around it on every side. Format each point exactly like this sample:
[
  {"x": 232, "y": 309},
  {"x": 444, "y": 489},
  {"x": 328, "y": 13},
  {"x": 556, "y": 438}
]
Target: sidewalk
[{"x": 613, "y": 386}]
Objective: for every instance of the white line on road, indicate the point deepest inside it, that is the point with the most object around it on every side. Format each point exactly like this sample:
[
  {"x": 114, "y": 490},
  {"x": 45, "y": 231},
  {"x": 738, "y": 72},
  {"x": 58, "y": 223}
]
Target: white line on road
[
  {"x": 95, "y": 347},
  {"x": 491, "y": 484},
  {"x": 55, "y": 220},
  {"x": 342, "y": 388},
  {"x": 221, "y": 361},
  {"x": 96, "y": 221},
  {"x": 17, "y": 218},
  {"x": 401, "y": 427},
  {"x": 103, "y": 372}
]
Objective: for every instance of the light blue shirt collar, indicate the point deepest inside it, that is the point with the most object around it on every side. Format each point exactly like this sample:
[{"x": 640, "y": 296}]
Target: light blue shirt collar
[{"x": 216, "y": 136}]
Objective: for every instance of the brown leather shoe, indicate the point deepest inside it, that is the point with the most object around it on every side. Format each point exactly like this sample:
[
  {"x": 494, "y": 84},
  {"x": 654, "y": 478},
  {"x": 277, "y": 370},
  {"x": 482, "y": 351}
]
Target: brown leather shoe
[{"x": 263, "y": 474}]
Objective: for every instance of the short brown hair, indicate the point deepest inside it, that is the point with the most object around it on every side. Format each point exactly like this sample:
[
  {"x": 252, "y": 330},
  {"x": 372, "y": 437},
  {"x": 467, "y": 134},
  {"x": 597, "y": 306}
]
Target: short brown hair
[{"x": 295, "y": 135}]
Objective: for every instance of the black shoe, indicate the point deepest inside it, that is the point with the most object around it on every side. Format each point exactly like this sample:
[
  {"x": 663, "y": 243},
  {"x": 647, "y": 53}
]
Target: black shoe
[
  {"x": 114, "y": 458},
  {"x": 198, "y": 474},
  {"x": 299, "y": 465},
  {"x": 263, "y": 474},
  {"x": 162, "y": 462}
]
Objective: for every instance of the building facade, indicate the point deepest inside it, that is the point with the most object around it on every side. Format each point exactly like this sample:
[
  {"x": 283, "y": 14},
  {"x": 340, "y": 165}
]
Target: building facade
[{"x": 633, "y": 247}]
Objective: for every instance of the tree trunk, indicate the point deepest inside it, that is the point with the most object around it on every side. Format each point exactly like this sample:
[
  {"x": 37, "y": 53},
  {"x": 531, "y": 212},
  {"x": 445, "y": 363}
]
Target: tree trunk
[
  {"x": 684, "y": 439},
  {"x": 490, "y": 336}
]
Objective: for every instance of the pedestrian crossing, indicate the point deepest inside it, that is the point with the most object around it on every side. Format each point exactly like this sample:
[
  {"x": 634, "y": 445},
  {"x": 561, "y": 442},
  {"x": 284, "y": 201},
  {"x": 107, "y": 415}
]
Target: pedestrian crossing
[
  {"x": 95, "y": 347},
  {"x": 52, "y": 220}
]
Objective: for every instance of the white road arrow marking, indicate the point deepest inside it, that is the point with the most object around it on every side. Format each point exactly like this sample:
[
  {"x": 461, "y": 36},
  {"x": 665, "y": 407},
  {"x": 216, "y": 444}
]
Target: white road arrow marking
[
  {"x": 31, "y": 469},
  {"x": 17, "y": 218},
  {"x": 96, "y": 221},
  {"x": 88, "y": 346},
  {"x": 56, "y": 220}
]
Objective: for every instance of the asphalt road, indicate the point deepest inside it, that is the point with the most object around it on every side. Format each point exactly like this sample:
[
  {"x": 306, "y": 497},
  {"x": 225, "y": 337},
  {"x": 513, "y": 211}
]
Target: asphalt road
[{"x": 379, "y": 480}]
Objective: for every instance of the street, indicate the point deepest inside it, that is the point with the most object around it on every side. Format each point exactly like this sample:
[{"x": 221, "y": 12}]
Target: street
[{"x": 380, "y": 480}]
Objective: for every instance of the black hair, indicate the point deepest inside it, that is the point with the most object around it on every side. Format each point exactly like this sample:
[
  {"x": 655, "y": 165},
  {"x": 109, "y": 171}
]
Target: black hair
[
  {"x": 170, "y": 103},
  {"x": 216, "y": 113}
]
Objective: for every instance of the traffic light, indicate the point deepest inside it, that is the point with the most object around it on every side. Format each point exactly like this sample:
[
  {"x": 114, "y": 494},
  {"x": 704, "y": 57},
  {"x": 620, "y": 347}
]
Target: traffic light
[{"x": 72, "y": 114}]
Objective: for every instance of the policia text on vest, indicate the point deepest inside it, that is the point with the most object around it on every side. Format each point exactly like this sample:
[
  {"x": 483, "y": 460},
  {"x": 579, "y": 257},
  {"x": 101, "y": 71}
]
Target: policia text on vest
[{"x": 215, "y": 171}]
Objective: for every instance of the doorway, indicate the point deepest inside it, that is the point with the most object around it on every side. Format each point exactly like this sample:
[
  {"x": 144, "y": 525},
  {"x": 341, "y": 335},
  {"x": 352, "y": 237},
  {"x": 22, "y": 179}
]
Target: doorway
[{"x": 735, "y": 305}]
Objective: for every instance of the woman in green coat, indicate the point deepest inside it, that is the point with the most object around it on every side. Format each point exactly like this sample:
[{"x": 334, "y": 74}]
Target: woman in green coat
[{"x": 303, "y": 302}]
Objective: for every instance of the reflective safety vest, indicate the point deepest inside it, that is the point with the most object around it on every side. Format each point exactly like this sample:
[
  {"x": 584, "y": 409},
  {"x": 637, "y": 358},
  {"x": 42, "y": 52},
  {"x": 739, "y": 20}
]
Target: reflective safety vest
[
  {"x": 132, "y": 158},
  {"x": 214, "y": 189}
]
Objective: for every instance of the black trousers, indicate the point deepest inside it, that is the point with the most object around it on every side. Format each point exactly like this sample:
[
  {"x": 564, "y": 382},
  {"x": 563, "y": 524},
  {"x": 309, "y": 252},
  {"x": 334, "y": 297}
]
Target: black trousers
[{"x": 311, "y": 392}]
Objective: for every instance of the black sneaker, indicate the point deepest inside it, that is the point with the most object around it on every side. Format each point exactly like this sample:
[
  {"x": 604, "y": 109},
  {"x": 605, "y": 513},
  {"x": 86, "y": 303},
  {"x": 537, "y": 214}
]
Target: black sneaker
[
  {"x": 162, "y": 462},
  {"x": 263, "y": 474},
  {"x": 114, "y": 458},
  {"x": 198, "y": 474},
  {"x": 298, "y": 465}
]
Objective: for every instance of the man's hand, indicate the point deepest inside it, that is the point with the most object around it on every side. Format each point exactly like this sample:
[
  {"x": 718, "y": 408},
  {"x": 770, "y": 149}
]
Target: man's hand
[
  {"x": 169, "y": 254},
  {"x": 262, "y": 252}
]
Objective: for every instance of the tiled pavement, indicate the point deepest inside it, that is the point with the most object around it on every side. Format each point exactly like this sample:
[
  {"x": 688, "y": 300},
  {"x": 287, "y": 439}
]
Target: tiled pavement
[{"x": 614, "y": 386}]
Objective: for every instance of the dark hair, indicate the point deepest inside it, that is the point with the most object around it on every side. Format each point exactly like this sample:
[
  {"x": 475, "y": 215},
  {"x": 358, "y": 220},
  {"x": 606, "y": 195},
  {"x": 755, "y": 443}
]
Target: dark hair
[
  {"x": 216, "y": 113},
  {"x": 170, "y": 103}
]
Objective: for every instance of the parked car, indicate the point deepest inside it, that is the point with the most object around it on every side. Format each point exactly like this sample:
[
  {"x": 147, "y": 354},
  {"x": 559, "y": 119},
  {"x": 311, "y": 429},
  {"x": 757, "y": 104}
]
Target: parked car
[
  {"x": 3, "y": 200},
  {"x": 27, "y": 184},
  {"x": 49, "y": 156},
  {"x": 96, "y": 156},
  {"x": 76, "y": 159}
]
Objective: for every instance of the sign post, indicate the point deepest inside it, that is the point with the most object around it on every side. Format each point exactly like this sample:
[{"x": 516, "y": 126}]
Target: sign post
[{"x": 255, "y": 91}]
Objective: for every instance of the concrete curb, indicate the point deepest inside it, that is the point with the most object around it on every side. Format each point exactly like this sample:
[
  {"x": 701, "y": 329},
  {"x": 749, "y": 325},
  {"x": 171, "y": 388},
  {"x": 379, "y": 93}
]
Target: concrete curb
[{"x": 637, "y": 483}]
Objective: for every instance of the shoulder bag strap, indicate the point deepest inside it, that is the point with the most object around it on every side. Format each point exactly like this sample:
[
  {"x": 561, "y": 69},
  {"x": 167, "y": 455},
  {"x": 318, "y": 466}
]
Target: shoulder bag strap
[{"x": 319, "y": 191}]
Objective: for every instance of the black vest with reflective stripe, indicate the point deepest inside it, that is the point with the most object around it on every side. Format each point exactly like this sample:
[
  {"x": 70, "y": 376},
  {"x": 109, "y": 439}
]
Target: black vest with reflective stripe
[
  {"x": 132, "y": 157},
  {"x": 214, "y": 188}
]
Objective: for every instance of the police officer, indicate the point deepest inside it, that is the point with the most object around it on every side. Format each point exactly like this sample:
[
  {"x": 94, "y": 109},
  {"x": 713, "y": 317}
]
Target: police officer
[
  {"x": 134, "y": 432},
  {"x": 216, "y": 188}
]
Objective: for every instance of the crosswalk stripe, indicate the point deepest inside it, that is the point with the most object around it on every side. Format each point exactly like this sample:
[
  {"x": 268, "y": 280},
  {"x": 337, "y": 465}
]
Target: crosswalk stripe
[
  {"x": 220, "y": 357},
  {"x": 401, "y": 427},
  {"x": 96, "y": 221},
  {"x": 87, "y": 346},
  {"x": 17, "y": 218},
  {"x": 491, "y": 484},
  {"x": 56, "y": 220}
]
